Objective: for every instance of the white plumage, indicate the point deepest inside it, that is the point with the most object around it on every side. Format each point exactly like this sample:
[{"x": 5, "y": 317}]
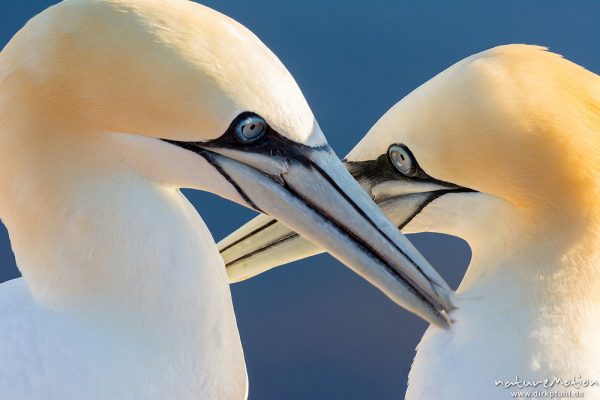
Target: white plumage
[{"x": 509, "y": 142}]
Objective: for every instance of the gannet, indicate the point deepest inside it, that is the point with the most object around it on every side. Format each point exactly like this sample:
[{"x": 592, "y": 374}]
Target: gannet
[
  {"x": 107, "y": 109},
  {"x": 501, "y": 149}
]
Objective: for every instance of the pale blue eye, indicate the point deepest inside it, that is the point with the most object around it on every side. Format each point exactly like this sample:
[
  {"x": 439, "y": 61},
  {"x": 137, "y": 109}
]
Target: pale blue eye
[
  {"x": 250, "y": 129},
  {"x": 402, "y": 159}
]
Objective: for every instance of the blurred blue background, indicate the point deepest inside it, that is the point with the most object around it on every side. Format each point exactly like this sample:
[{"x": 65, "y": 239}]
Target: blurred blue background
[{"x": 314, "y": 330}]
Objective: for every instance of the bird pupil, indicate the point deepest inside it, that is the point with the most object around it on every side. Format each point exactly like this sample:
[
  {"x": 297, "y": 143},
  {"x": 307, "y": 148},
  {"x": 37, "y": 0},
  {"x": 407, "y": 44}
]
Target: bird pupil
[{"x": 250, "y": 129}]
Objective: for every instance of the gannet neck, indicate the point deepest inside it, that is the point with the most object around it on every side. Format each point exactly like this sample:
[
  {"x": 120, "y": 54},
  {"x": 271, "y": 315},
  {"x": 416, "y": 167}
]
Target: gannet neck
[
  {"x": 560, "y": 273},
  {"x": 533, "y": 315},
  {"x": 514, "y": 324},
  {"x": 119, "y": 255},
  {"x": 61, "y": 242},
  {"x": 528, "y": 307},
  {"x": 91, "y": 235}
]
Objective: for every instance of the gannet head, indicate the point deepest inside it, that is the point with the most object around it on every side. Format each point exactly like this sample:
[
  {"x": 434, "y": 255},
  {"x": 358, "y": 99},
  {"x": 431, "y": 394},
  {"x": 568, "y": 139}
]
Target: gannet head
[
  {"x": 499, "y": 149},
  {"x": 190, "y": 98},
  {"x": 509, "y": 133}
]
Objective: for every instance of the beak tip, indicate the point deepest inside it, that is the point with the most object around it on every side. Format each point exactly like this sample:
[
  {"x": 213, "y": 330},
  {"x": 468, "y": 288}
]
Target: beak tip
[
  {"x": 447, "y": 298},
  {"x": 443, "y": 321}
]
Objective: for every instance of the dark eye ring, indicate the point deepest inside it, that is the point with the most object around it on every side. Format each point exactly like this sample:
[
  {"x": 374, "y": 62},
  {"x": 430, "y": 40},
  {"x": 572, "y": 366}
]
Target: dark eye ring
[
  {"x": 250, "y": 128},
  {"x": 402, "y": 159}
]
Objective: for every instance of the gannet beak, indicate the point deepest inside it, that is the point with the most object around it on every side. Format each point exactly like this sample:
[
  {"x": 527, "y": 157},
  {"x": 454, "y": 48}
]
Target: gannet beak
[
  {"x": 311, "y": 193},
  {"x": 264, "y": 243}
]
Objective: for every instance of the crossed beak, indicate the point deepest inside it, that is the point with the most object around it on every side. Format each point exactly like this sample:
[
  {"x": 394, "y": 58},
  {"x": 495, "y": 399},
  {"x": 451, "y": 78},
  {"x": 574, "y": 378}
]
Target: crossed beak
[{"x": 313, "y": 204}]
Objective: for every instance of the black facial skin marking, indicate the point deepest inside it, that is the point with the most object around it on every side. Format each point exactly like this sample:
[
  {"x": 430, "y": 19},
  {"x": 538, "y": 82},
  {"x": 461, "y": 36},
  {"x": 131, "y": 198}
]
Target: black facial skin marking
[
  {"x": 382, "y": 169},
  {"x": 209, "y": 157},
  {"x": 371, "y": 173},
  {"x": 273, "y": 144}
]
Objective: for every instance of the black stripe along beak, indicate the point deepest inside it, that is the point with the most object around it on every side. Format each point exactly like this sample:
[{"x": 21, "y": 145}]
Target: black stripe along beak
[{"x": 310, "y": 192}]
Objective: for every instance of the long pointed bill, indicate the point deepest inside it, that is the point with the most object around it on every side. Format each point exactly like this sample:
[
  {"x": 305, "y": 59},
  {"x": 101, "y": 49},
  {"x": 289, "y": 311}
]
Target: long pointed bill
[
  {"x": 264, "y": 243},
  {"x": 311, "y": 193}
]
